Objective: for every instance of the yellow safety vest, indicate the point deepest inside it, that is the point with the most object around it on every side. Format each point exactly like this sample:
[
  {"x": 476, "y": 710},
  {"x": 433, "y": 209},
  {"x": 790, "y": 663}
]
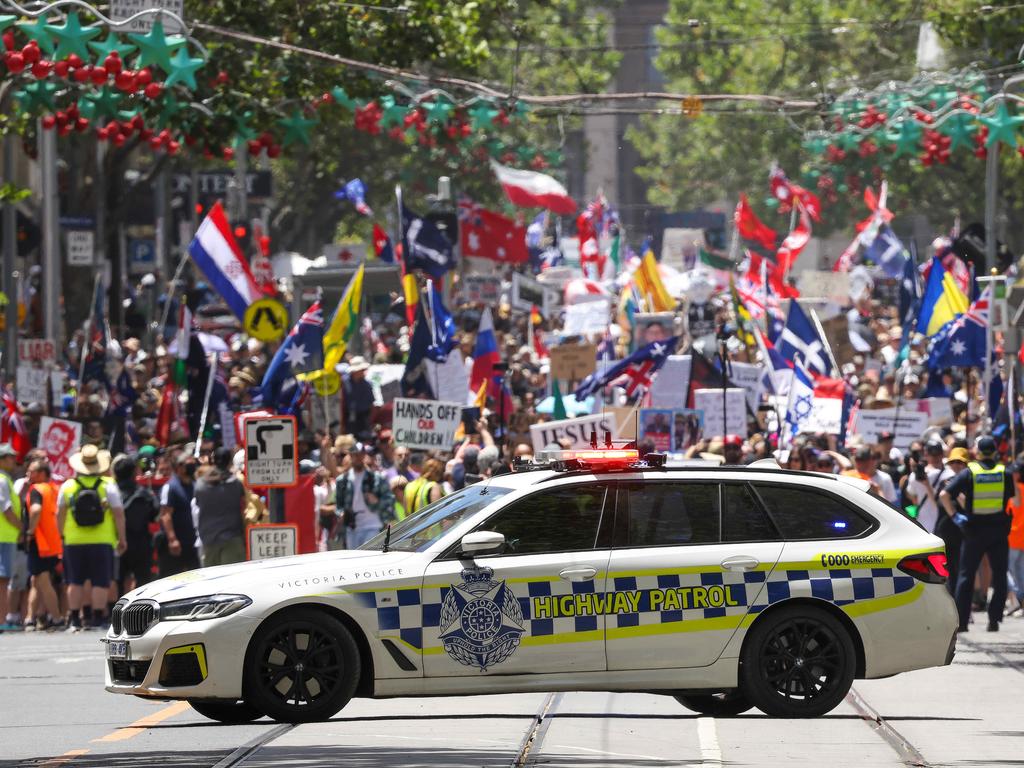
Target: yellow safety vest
[
  {"x": 9, "y": 533},
  {"x": 74, "y": 534},
  {"x": 988, "y": 487}
]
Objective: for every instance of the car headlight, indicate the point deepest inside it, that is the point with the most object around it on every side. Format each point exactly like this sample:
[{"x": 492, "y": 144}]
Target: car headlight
[{"x": 200, "y": 608}]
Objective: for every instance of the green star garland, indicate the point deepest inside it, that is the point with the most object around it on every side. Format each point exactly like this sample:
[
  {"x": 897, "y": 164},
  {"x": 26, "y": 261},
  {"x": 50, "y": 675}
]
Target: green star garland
[
  {"x": 102, "y": 103},
  {"x": 342, "y": 98},
  {"x": 296, "y": 128},
  {"x": 38, "y": 94},
  {"x": 183, "y": 70},
  {"x": 392, "y": 114},
  {"x": 243, "y": 130},
  {"x": 113, "y": 44},
  {"x": 1002, "y": 126},
  {"x": 960, "y": 127},
  {"x": 156, "y": 48},
  {"x": 482, "y": 116},
  {"x": 438, "y": 110},
  {"x": 72, "y": 37},
  {"x": 39, "y": 31},
  {"x": 906, "y": 137}
]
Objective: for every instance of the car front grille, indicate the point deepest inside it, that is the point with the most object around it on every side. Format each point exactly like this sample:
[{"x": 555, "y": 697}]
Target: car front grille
[
  {"x": 132, "y": 672},
  {"x": 133, "y": 618},
  {"x": 180, "y": 669}
]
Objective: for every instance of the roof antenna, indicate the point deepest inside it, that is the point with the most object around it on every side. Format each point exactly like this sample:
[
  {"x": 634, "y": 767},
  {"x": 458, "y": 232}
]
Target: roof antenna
[
  {"x": 593, "y": 438},
  {"x": 607, "y": 438}
]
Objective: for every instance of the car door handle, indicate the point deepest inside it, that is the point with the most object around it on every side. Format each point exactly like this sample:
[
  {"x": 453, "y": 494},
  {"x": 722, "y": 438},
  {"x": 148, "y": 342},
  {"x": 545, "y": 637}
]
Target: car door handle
[
  {"x": 578, "y": 574},
  {"x": 739, "y": 563}
]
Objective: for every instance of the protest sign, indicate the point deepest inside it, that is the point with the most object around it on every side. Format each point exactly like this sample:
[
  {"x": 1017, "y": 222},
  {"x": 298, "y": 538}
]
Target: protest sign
[
  {"x": 32, "y": 384},
  {"x": 426, "y": 424},
  {"x": 573, "y": 362},
  {"x": 826, "y": 416},
  {"x": 653, "y": 326},
  {"x": 386, "y": 381},
  {"x": 60, "y": 439},
  {"x": 527, "y": 293},
  {"x": 482, "y": 289},
  {"x": 670, "y": 386},
  {"x": 722, "y": 416},
  {"x": 748, "y": 376},
  {"x": 656, "y": 427},
  {"x": 939, "y": 410},
  {"x": 449, "y": 380},
  {"x": 588, "y": 317},
  {"x": 625, "y": 419},
  {"x": 837, "y": 331},
  {"x": 907, "y": 428},
  {"x": 37, "y": 351},
  {"x": 687, "y": 428},
  {"x": 834, "y": 286},
  {"x": 577, "y": 430}
]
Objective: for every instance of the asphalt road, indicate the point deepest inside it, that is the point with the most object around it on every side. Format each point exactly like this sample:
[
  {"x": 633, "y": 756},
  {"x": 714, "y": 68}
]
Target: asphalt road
[{"x": 54, "y": 712}]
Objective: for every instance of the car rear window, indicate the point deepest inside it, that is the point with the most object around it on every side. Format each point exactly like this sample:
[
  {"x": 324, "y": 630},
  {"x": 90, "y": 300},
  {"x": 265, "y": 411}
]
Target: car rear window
[{"x": 807, "y": 513}]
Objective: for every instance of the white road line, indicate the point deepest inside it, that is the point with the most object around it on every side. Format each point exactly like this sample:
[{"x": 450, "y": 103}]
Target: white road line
[{"x": 707, "y": 735}]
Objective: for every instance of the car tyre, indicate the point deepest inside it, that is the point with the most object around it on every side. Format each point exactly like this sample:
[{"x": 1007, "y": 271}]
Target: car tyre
[
  {"x": 302, "y": 666},
  {"x": 797, "y": 662},
  {"x": 722, "y": 704},
  {"x": 227, "y": 712}
]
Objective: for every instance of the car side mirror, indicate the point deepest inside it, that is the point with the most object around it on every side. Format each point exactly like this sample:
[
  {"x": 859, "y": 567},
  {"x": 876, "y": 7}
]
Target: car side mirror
[{"x": 482, "y": 543}]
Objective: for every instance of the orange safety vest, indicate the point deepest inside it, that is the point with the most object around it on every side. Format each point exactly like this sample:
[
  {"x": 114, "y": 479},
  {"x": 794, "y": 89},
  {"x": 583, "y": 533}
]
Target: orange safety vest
[
  {"x": 47, "y": 535},
  {"x": 1016, "y": 537}
]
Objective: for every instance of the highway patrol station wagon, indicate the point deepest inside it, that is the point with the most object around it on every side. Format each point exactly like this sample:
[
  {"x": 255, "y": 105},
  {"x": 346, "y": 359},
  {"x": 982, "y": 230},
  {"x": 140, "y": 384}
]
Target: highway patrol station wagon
[{"x": 726, "y": 587}]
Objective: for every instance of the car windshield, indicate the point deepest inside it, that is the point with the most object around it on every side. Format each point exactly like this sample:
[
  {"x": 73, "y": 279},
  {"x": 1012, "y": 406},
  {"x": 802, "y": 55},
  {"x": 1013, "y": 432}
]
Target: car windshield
[{"x": 417, "y": 532}]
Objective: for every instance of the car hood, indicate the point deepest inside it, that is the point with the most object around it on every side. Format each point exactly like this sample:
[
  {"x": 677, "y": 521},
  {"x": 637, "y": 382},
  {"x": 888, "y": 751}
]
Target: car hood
[{"x": 340, "y": 569}]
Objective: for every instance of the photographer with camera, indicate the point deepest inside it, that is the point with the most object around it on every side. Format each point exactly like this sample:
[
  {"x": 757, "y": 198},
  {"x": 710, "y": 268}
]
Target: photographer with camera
[{"x": 926, "y": 481}]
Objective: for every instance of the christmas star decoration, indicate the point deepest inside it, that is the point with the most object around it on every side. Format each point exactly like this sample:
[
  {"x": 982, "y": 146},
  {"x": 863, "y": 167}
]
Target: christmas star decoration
[
  {"x": 1002, "y": 126},
  {"x": 850, "y": 140},
  {"x": 392, "y": 114},
  {"x": 341, "y": 97},
  {"x": 817, "y": 144},
  {"x": 296, "y": 128},
  {"x": 243, "y": 130},
  {"x": 960, "y": 127},
  {"x": 72, "y": 37},
  {"x": 6, "y": 20},
  {"x": 183, "y": 70},
  {"x": 941, "y": 95},
  {"x": 438, "y": 110},
  {"x": 170, "y": 107},
  {"x": 155, "y": 48},
  {"x": 897, "y": 103},
  {"x": 39, "y": 31},
  {"x": 849, "y": 108},
  {"x": 39, "y": 93},
  {"x": 103, "y": 102},
  {"x": 525, "y": 154},
  {"x": 906, "y": 137},
  {"x": 113, "y": 44},
  {"x": 482, "y": 116}
]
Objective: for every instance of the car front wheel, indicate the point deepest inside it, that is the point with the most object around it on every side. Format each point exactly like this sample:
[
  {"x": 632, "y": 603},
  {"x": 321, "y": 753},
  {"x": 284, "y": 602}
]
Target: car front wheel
[
  {"x": 716, "y": 704},
  {"x": 797, "y": 662},
  {"x": 227, "y": 712},
  {"x": 302, "y": 666}
]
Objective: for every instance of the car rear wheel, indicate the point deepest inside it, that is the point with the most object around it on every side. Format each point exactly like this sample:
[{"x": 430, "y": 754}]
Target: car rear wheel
[
  {"x": 716, "y": 704},
  {"x": 302, "y": 666},
  {"x": 228, "y": 712},
  {"x": 797, "y": 662}
]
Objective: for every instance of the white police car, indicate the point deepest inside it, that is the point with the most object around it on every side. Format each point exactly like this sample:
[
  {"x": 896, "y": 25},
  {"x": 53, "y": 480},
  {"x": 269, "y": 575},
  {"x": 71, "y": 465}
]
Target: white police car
[{"x": 725, "y": 587}]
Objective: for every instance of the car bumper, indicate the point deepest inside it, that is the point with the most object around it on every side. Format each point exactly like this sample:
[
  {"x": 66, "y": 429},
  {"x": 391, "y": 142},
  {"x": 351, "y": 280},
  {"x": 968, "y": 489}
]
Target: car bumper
[{"x": 153, "y": 668}]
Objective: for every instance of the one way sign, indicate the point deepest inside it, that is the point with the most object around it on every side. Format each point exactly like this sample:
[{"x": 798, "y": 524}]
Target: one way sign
[{"x": 271, "y": 460}]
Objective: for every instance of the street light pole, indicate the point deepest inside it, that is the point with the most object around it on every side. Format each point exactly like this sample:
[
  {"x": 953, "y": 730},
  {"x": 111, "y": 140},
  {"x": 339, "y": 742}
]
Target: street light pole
[
  {"x": 9, "y": 277},
  {"x": 51, "y": 235}
]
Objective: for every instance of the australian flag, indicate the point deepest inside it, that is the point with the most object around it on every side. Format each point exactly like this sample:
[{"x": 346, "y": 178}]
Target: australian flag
[
  {"x": 415, "y": 382},
  {"x": 638, "y": 369},
  {"x": 301, "y": 352},
  {"x": 442, "y": 327},
  {"x": 424, "y": 246},
  {"x": 961, "y": 342}
]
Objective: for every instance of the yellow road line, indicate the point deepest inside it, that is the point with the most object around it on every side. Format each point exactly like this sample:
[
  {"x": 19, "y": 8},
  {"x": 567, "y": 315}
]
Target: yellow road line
[
  {"x": 145, "y": 722},
  {"x": 65, "y": 758}
]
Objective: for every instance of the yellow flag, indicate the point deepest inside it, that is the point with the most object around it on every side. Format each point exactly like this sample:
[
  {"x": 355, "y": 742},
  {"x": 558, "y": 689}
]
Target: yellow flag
[
  {"x": 652, "y": 289},
  {"x": 951, "y": 303},
  {"x": 344, "y": 322}
]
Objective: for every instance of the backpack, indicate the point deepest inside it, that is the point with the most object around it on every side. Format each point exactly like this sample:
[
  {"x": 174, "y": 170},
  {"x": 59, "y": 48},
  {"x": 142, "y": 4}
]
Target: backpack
[
  {"x": 87, "y": 506},
  {"x": 140, "y": 510}
]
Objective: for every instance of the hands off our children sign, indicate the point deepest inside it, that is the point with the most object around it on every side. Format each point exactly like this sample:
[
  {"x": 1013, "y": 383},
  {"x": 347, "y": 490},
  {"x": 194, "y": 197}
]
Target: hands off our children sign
[{"x": 426, "y": 424}]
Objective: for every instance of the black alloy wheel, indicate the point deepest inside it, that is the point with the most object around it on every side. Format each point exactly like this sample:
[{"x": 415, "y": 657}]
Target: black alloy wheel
[
  {"x": 227, "y": 712},
  {"x": 797, "y": 662},
  {"x": 722, "y": 704},
  {"x": 302, "y": 666}
]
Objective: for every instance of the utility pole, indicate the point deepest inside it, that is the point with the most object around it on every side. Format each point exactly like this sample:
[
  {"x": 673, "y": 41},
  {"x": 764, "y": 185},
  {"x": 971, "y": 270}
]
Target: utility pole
[
  {"x": 10, "y": 277},
  {"x": 51, "y": 236}
]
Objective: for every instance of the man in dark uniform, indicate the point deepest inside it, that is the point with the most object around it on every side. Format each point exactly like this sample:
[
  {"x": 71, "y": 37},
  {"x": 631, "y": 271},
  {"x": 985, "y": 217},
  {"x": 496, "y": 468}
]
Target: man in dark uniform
[{"x": 984, "y": 489}]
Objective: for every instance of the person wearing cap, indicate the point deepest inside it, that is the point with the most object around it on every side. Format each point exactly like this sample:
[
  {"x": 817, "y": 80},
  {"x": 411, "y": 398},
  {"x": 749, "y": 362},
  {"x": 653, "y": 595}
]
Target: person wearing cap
[
  {"x": 732, "y": 450},
  {"x": 10, "y": 526},
  {"x": 986, "y": 486},
  {"x": 864, "y": 468},
  {"x": 926, "y": 481},
  {"x": 358, "y": 398},
  {"x": 946, "y": 529},
  {"x": 177, "y": 551},
  {"x": 363, "y": 499},
  {"x": 89, "y": 547}
]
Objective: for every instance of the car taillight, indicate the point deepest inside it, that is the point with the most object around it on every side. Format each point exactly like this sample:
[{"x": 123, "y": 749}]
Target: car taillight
[{"x": 929, "y": 567}]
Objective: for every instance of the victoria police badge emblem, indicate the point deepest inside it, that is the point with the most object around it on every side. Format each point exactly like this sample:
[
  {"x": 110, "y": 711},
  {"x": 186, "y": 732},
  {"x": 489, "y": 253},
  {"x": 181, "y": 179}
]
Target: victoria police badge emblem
[{"x": 481, "y": 621}]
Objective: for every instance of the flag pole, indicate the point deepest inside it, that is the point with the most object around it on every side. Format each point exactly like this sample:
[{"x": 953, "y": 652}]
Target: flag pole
[
  {"x": 824, "y": 339},
  {"x": 206, "y": 403},
  {"x": 170, "y": 294},
  {"x": 1011, "y": 406},
  {"x": 86, "y": 345}
]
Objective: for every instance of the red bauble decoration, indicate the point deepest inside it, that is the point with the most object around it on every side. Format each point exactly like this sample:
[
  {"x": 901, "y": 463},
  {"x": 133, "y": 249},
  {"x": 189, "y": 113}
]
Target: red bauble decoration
[
  {"x": 222, "y": 78},
  {"x": 274, "y": 150},
  {"x": 326, "y": 98},
  {"x": 266, "y": 139},
  {"x": 63, "y": 130},
  {"x": 397, "y": 134},
  {"x": 101, "y": 134},
  {"x": 14, "y": 61},
  {"x": 41, "y": 70},
  {"x": 113, "y": 63},
  {"x": 145, "y": 134},
  {"x": 190, "y": 140},
  {"x": 368, "y": 118},
  {"x": 81, "y": 124},
  {"x": 98, "y": 75},
  {"x": 255, "y": 147},
  {"x": 81, "y": 74},
  {"x": 118, "y": 140},
  {"x": 8, "y": 38},
  {"x": 143, "y": 77},
  {"x": 228, "y": 153},
  {"x": 49, "y": 121},
  {"x": 138, "y": 123},
  {"x": 31, "y": 52},
  {"x": 74, "y": 60},
  {"x": 155, "y": 143},
  {"x": 125, "y": 81},
  {"x": 173, "y": 147},
  {"x": 61, "y": 69},
  {"x": 62, "y": 118},
  {"x": 153, "y": 90},
  {"x": 501, "y": 118}
]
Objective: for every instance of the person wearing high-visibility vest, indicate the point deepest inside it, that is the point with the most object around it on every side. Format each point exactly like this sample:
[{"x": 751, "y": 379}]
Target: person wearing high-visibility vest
[
  {"x": 984, "y": 490},
  {"x": 89, "y": 546},
  {"x": 10, "y": 523}
]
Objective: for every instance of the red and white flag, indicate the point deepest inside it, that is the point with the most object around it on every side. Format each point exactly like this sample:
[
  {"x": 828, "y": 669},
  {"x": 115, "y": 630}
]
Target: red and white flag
[
  {"x": 484, "y": 234},
  {"x": 530, "y": 189}
]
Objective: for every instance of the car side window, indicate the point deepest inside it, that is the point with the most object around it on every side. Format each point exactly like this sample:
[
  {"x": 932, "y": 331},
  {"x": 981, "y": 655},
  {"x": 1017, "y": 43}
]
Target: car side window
[
  {"x": 561, "y": 519},
  {"x": 806, "y": 513},
  {"x": 743, "y": 517},
  {"x": 669, "y": 514}
]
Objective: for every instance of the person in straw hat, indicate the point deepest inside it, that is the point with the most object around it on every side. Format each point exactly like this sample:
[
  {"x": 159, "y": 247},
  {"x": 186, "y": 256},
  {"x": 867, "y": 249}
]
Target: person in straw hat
[{"x": 90, "y": 516}]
